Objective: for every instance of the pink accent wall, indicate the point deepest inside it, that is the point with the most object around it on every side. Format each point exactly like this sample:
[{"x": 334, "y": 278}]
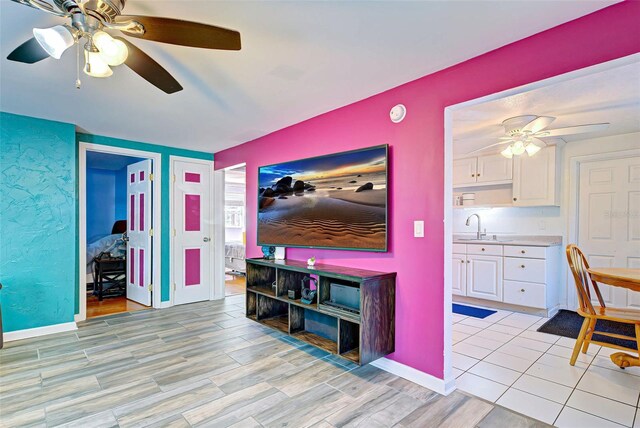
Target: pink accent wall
[{"x": 417, "y": 158}]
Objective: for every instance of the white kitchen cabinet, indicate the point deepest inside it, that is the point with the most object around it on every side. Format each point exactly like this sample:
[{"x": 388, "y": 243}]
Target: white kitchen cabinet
[
  {"x": 535, "y": 179},
  {"x": 514, "y": 274},
  {"x": 459, "y": 276},
  {"x": 464, "y": 171},
  {"x": 494, "y": 169},
  {"x": 483, "y": 170},
  {"x": 484, "y": 277}
]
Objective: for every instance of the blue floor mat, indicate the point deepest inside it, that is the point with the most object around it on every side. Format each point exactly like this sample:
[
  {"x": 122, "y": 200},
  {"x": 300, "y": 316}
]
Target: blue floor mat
[{"x": 471, "y": 311}]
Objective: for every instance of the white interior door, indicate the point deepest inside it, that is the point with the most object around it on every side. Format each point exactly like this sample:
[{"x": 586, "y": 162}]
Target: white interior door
[
  {"x": 609, "y": 220},
  {"x": 193, "y": 231},
  {"x": 139, "y": 232}
]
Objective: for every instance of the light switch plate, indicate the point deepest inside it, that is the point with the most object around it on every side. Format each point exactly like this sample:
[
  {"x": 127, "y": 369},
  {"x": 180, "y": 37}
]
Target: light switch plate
[{"x": 418, "y": 229}]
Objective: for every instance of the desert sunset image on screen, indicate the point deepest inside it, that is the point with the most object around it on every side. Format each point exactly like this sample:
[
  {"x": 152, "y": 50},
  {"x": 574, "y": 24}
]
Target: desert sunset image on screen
[{"x": 336, "y": 201}]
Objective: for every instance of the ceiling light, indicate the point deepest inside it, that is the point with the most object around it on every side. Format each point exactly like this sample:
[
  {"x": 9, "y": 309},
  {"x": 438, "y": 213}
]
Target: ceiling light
[
  {"x": 532, "y": 149},
  {"x": 54, "y": 40},
  {"x": 95, "y": 65},
  {"x": 113, "y": 51},
  {"x": 518, "y": 148},
  {"x": 508, "y": 152}
]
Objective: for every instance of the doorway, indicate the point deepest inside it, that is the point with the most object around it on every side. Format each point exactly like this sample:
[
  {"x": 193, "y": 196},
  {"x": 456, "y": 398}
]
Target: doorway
[
  {"x": 235, "y": 180},
  {"x": 115, "y": 273},
  {"x": 479, "y": 352}
]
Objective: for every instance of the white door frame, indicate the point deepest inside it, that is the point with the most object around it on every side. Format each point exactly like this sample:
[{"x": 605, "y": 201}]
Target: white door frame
[
  {"x": 214, "y": 289},
  {"x": 573, "y": 187},
  {"x": 219, "y": 216},
  {"x": 156, "y": 239},
  {"x": 449, "y": 380}
]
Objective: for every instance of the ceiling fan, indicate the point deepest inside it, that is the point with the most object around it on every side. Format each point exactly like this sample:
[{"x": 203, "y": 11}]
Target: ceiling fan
[
  {"x": 527, "y": 133},
  {"x": 90, "y": 20}
]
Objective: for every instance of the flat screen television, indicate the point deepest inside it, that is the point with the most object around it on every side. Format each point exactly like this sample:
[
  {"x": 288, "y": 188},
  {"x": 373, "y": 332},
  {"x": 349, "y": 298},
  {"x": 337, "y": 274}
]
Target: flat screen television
[{"x": 335, "y": 201}]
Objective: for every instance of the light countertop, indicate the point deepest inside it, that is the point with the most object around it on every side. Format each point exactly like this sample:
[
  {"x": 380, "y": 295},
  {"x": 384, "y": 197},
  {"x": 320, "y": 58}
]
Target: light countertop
[{"x": 526, "y": 240}]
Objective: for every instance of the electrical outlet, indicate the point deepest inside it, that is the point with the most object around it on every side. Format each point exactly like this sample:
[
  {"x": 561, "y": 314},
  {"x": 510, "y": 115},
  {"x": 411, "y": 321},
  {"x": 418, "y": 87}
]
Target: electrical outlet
[{"x": 418, "y": 229}]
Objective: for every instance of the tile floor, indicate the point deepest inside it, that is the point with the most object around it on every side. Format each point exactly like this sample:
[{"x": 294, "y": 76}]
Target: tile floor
[{"x": 504, "y": 360}]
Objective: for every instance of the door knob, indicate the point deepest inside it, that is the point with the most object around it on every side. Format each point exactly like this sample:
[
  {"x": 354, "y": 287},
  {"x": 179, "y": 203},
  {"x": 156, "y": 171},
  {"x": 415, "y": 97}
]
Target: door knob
[{"x": 205, "y": 239}]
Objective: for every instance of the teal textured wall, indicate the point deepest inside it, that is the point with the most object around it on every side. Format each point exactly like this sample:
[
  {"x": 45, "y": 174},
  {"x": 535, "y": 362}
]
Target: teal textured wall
[
  {"x": 165, "y": 152},
  {"x": 37, "y": 222}
]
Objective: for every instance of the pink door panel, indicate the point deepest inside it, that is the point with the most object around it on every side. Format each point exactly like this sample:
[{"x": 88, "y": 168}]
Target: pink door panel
[
  {"x": 192, "y": 266},
  {"x": 192, "y": 213}
]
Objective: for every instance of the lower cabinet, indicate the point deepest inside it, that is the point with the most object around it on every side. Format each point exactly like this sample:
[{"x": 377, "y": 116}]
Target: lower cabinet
[
  {"x": 518, "y": 275},
  {"x": 459, "y": 277},
  {"x": 484, "y": 277}
]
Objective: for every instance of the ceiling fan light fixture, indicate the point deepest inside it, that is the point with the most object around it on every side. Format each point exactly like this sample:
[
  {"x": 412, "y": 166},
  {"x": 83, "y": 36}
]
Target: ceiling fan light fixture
[
  {"x": 113, "y": 51},
  {"x": 532, "y": 149},
  {"x": 95, "y": 65},
  {"x": 507, "y": 153},
  {"x": 54, "y": 40},
  {"x": 518, "y": 148}
]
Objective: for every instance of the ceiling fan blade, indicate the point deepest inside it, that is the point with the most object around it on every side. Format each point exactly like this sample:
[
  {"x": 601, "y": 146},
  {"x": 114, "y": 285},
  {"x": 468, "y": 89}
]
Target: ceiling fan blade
[
  {"x": 580, "y": 129},
  {"x": 185, "y": 33},
  {"x": 149, "y": 69},
  {"x": 506, "y": 137},
  {"x": 29, "y": 52},
  {"x": 538, "y": 124},
  {"x": 488, "y": 147},
  {"x": 43, "y": 6},
  {"x": 538, "y": 142}
]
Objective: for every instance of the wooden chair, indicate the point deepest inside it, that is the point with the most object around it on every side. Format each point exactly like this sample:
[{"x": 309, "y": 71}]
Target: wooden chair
[{"x": 579, "y": 265}]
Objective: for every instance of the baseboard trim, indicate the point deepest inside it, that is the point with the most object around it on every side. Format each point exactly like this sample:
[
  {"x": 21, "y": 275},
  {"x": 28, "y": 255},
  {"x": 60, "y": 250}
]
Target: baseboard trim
[
  {"x": 416, "y": 376},
  {"x": 39, "y": 331},
  {"x": 164, "y": 305}
]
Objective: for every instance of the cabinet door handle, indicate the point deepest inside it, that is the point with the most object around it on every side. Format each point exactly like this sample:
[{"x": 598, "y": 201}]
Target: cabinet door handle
[
  {"x": 515, "y": 199},
  {"x": 483, "y": 249},
  {"x": 468, "y": 261},
  {"x": 461, "y": 261},
  {"x": 477, "y": 175},
  {"x": 522, "y": 266},
  {"x": 473, "y": 175},
  {"x": 522, "y": 251},
  {"x": 522, "y": 290}
]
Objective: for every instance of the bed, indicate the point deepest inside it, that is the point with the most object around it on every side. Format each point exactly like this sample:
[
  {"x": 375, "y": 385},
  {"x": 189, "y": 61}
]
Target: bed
[
  {"x": 234, "y": 256},
  {"x": 112, "y": 243}
]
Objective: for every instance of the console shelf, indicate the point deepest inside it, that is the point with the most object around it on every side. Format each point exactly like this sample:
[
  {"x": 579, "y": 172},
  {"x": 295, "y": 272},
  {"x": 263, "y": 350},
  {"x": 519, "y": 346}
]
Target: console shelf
[{"x": 358, "y": 337}]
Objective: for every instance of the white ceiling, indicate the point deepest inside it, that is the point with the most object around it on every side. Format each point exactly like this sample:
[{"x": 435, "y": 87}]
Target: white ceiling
[
  {"x": 611, "y": 96},
  {"x": 299, "y": 59}
]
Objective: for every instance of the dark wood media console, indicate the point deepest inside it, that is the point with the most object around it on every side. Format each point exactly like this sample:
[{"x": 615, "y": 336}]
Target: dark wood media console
[{"x": 359, "y": 337}]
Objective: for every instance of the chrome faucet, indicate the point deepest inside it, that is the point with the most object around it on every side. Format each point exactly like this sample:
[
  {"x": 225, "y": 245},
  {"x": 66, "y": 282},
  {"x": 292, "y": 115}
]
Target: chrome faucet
[{"x": 479, "y": 234}]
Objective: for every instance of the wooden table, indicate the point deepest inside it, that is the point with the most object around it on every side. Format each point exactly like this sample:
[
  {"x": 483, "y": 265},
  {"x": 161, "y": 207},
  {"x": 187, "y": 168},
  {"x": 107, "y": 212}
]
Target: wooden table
[{"x": 619, "y": 277}]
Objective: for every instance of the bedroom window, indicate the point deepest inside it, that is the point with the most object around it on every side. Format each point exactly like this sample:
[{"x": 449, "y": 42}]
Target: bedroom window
[{"x": 233, "y": 216}]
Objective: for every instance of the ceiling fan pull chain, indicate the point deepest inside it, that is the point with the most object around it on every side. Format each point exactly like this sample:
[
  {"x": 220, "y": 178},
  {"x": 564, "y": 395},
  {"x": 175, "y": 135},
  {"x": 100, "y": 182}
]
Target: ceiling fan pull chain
[{"x": 78, "y": 82}]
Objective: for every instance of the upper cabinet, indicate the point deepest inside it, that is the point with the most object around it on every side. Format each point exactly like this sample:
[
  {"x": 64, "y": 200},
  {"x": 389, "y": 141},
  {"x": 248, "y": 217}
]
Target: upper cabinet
[
  {"x": 536, "y": 179},
  {"x": 483, "y": 170},
  {"x": 494, "y": 168},
  {"x": 464, "y": 171}
]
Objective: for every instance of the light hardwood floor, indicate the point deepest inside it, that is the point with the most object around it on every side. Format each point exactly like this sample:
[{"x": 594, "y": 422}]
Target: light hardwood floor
[
  {"x": 204, "y": 364},
  {"x": 111, "y": 305}
]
